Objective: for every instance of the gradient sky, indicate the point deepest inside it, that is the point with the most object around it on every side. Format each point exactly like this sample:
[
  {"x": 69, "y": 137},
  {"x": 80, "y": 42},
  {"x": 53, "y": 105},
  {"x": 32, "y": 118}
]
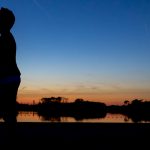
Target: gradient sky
[{"x": 92, "y": 49}]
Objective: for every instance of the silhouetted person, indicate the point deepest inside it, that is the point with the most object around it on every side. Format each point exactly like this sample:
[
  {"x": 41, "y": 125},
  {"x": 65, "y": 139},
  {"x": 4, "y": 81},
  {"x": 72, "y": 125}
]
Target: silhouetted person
[{"x": 9, "y": 72}]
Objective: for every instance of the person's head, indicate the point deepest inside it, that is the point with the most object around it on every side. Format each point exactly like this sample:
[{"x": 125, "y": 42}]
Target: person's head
[{"x": 7, "y": 20}]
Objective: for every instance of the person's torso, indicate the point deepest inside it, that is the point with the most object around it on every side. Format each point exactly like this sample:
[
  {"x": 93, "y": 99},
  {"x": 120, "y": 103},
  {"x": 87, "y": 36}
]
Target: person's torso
[{"x": 8, "y": 65}]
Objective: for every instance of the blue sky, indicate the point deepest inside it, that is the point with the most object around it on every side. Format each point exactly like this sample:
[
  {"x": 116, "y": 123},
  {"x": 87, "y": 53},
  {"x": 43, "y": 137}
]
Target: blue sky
[{"x": 93, "y": 49}]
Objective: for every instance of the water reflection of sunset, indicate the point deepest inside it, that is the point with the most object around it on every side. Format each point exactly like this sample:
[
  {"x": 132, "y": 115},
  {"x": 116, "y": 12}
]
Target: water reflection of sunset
[
  {"x": 28, "y": 117},
  {"x": 109, "y": 118}
]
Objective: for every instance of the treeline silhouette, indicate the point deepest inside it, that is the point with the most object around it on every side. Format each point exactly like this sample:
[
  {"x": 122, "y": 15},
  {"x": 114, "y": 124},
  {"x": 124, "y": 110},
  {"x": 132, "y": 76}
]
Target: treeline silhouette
[
  {"x": 55, "y": 107},
  {"x": 138, "y": 110}
]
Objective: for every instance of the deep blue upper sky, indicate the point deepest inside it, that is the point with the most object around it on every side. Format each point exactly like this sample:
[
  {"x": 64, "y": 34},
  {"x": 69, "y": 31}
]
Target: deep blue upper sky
[{"x": 96, "y": 49}]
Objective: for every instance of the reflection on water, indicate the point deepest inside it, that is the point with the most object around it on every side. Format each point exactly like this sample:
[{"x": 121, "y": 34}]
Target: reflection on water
[
  {"x": 29, "y": 116},
  {"x": 109, "y": 118}
]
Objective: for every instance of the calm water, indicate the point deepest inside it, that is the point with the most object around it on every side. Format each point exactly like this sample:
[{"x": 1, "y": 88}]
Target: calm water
[
  {"x": 25, "y": 116},
  {"x": 110, "y": 118}
]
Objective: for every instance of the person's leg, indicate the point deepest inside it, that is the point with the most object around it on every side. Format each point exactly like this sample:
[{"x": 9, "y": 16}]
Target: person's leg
[
  {"x": 10, "y": 112},
  {"x": 10, "y": 102},
  {"x": 1, "y": 101},
  {"x": 3, "y": 97}
]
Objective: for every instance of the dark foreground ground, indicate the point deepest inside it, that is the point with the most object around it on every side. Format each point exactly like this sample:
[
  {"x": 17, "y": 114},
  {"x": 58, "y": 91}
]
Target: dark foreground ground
[{"x": 75, "y": 136}]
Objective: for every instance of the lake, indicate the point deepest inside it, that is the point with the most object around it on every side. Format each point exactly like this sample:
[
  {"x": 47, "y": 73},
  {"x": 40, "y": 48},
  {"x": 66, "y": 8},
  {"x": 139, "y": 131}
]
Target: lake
[
  {"x": 29, "y": 116},
  {"x": 26, "y": 116}
]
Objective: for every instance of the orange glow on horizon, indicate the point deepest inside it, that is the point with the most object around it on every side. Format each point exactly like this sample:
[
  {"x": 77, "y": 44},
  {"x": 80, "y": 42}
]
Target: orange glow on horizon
[
  {"x": 108, "y": 100},
  {"x": 105, "y": 95}
]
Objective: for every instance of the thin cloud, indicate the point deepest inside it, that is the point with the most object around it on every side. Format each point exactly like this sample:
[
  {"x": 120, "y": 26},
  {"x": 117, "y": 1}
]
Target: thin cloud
[
  {"x": 38, "y": 4},
  {"x": 42, "y": 9}
]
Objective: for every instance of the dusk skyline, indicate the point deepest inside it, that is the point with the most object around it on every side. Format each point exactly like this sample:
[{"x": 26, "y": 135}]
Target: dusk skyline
[{"x": 90, "y": 49}]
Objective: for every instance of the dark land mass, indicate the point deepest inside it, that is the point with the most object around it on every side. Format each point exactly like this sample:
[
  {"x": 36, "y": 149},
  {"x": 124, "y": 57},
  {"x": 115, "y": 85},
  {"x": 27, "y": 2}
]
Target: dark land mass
[{"x": 138, "y": 110}]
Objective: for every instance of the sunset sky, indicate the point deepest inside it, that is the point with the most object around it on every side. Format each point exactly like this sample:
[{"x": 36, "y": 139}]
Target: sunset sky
[{"x": 92, "y": 49}]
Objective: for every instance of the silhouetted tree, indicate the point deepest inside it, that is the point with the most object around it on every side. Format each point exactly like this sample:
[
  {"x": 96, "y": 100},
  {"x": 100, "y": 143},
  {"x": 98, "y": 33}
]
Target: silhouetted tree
[
  {"x": 51, "y": 100},
  {"x": 137, "y": 101},
  {"x": 78, "y": 100},
  {"x": 126, "y": 102}
]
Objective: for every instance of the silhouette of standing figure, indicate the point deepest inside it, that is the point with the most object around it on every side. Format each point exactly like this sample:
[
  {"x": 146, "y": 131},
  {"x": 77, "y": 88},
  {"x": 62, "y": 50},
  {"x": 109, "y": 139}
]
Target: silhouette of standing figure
[{"x": 9, "y": 72}]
